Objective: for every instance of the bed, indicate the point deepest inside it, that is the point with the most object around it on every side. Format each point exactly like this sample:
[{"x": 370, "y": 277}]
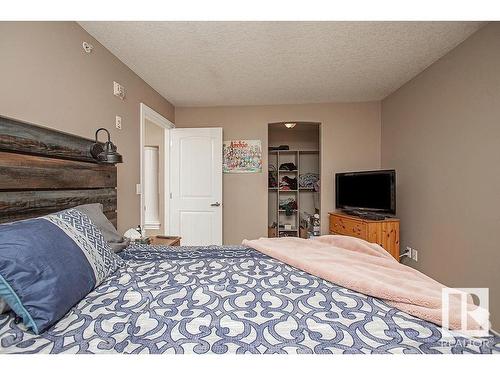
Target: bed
[{"x": 229, "y": 299}]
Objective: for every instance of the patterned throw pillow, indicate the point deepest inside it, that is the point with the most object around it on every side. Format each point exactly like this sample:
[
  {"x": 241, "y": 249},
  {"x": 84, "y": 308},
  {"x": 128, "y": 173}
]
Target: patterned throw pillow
[{"x": 48, "y": 264}]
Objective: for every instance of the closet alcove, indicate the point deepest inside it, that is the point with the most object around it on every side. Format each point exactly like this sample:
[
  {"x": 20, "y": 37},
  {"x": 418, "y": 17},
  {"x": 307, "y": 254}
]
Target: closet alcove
[{"x": 294, "y": 179}]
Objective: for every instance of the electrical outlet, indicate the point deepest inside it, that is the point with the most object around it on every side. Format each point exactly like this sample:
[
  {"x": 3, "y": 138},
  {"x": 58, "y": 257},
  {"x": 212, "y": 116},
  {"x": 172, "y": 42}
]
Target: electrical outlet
[
  {"x": 118, "y": 122},
  {"x": 407, "y": 253},
  {"x": 414, "y": 254}
]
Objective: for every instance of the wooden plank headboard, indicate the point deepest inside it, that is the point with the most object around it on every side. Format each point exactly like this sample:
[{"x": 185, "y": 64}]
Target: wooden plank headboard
[{"x": 44, "y": 170}]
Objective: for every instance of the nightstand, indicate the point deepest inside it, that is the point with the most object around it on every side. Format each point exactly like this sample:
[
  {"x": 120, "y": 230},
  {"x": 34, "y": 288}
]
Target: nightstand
[{"x": 166, "y": 240}]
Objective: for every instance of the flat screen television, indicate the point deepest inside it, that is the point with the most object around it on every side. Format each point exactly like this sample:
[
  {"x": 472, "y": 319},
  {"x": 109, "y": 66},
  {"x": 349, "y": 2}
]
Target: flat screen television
[{"x": 371, "y": 191}]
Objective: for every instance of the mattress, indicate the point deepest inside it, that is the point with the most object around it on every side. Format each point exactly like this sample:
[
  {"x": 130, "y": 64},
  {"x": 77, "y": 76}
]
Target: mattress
[{"x": 229, "y": 300}]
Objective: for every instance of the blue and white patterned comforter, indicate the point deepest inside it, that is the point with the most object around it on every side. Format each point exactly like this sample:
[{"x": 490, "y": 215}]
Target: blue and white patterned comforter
[{"x": 229, "y": 300}]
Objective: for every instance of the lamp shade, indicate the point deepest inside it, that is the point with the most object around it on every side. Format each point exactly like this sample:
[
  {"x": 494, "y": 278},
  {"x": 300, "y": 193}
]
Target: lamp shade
[{"x": 107, "y": 153}]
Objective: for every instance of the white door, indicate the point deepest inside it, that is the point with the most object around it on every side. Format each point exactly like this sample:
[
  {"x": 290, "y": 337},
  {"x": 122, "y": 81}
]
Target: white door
[{"x": 196, "y": 185}]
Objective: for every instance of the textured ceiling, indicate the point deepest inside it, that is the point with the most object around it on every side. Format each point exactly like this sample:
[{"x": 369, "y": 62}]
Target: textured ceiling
[{"x": 245, "y": 63}]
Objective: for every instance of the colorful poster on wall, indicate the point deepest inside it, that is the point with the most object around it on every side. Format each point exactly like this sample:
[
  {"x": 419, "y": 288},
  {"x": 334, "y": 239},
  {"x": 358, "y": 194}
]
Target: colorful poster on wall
[{"x": 242, "y": 156}]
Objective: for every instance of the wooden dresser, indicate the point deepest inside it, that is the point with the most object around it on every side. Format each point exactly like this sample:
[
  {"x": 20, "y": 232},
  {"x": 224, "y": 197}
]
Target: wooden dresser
[{"x": 383, "y": 232}]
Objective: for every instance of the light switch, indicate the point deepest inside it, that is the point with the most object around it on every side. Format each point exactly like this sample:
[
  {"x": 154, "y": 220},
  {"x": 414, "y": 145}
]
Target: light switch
[{"x": 118, "y": 90}]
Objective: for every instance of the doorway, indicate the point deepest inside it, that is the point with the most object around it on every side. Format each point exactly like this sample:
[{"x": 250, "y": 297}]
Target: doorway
[
  {"x": 181, "y": 180},
  {"x": 155, "y": 171}
]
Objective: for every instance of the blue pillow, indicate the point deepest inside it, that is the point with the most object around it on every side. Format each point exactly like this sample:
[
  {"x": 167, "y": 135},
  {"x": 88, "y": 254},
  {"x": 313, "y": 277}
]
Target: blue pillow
[{"x": 48, "y": 264}]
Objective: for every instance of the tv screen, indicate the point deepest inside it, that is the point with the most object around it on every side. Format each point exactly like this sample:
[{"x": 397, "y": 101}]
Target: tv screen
[{"x": 370, "y": 191}]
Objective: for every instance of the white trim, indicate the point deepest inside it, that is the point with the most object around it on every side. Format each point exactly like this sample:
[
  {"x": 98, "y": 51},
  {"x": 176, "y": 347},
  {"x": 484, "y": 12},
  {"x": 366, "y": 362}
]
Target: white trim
[
  {"x": 147, "y": 113},
  {"x": 155, "y": 225}
]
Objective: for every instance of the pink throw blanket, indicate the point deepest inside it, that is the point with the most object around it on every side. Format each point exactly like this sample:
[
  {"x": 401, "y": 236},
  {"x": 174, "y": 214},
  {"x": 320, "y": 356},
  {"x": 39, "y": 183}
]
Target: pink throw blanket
[{"x": 367, "y": 268}]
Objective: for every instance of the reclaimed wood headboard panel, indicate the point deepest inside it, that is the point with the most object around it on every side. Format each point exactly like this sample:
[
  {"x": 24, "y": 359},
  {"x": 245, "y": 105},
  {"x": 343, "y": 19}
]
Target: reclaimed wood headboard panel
[{"x": 44, "y": 170}]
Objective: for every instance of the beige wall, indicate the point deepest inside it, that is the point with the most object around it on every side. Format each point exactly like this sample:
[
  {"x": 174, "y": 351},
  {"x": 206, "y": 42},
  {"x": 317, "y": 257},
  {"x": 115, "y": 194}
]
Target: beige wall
[
  {"x": 441, "y": 131},
  {"x": 46, "y": 78},
  {"x": 350, "y": 140}
]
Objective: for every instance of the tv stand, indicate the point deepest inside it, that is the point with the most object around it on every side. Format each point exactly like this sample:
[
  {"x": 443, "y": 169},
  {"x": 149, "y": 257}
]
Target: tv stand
[{"x": 384, "y": 232}]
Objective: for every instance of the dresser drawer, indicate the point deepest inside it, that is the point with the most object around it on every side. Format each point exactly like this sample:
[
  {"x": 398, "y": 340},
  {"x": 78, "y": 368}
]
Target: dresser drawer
[
  {"x": 382, "y": 232},
  {"x": 347, "y": 227}
]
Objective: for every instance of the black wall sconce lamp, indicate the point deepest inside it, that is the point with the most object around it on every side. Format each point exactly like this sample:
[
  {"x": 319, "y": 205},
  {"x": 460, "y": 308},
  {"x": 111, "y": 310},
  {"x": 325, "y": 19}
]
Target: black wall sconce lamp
[{"x": 106, "y": 153}]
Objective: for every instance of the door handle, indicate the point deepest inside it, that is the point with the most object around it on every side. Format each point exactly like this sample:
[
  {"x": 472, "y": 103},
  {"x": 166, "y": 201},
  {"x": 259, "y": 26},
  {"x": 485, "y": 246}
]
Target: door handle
[{"x": 216, "y": 204}]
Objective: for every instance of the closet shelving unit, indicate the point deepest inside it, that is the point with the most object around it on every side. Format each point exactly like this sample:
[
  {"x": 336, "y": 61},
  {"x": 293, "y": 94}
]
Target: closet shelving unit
[{"x": 278, "y": 157}]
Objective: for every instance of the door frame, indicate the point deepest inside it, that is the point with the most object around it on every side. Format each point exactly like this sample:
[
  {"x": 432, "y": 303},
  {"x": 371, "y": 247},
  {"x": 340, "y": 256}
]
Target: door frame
[{"x": 147, "y": 113}]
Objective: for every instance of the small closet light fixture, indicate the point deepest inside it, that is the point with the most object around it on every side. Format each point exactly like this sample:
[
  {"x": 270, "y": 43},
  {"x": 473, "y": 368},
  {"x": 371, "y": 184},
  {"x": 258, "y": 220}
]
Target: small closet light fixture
[{"x": 290, "y": 125}]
